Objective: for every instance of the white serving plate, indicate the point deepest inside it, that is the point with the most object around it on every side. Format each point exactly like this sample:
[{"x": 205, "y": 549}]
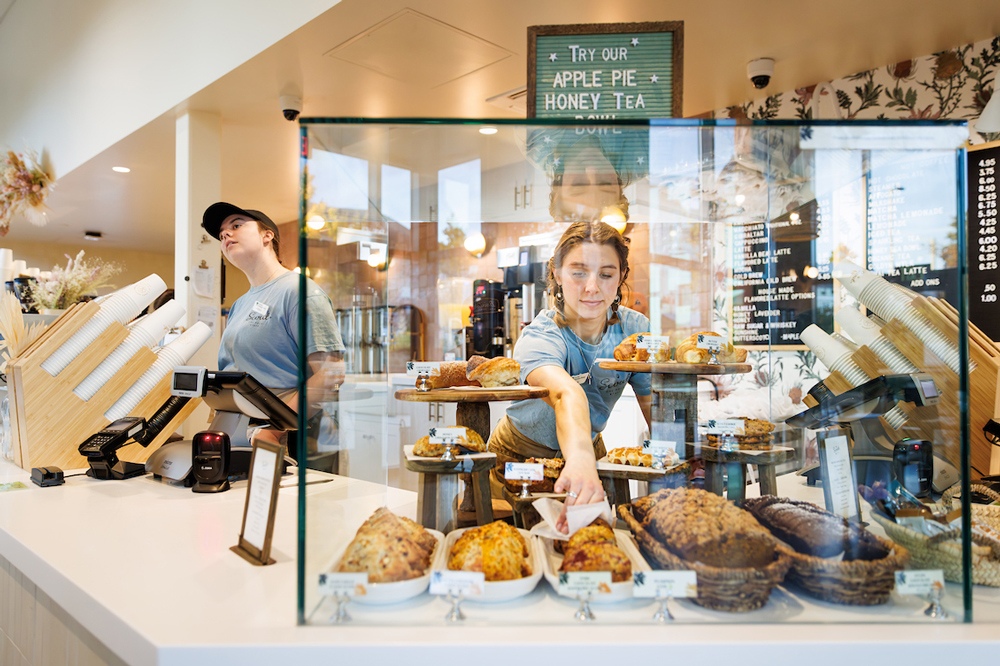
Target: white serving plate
[
  {"x": 501, "y": 590},
  {"x": 391, "y": 593},
  {"x": 551, "y": 561}
]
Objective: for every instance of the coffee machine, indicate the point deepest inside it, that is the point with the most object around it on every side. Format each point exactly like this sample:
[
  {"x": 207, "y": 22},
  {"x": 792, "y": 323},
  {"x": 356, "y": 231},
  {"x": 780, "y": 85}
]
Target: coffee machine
[{"x": 486, "y": 334}]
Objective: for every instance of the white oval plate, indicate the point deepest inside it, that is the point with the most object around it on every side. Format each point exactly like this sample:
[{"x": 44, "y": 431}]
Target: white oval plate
[
  {"x": 501, "y": 590},
  {"x": 551, "y": 561},
  {"x": 391, "y": 593}
]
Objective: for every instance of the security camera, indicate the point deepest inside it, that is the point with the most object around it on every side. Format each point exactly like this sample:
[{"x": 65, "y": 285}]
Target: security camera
[
  {"x": 291, "y": 106},
  {"x": 760, "y": 71}
]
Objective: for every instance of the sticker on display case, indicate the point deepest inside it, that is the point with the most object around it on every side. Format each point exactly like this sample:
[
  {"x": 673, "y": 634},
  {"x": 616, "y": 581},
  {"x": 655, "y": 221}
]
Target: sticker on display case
[
  {"x": 524, "y": 471},
  {"x": 660, "y": 584},
  {"x": 458, "y": 583},
  {"x": 414, "y": 368},
  {"x": 919, "y": 582},
  {"x": 451, "y": 435},
  {"x": 725, "y": 427},
  {"x": 711, "y": 342},
  {"x": 343, "y": 584},
  {"x": 584, "y": 583},
  {"x": 652, "y": 343}
]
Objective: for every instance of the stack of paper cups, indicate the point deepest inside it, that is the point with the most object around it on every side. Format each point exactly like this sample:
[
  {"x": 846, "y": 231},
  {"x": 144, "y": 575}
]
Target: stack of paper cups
[
  {"x": 176, "y": 353},
  {"x": 869, "y": 334},
  {"x": 6, "y": 264},
  {"x": 889, "y": 303},
  {"x": 850, "y": 344},
  {"x": 837, "y": 357},
  {"x": 121, "y": 306},
  {"x": 146, "y": 333},
  {"x": 19, "y": 267}
]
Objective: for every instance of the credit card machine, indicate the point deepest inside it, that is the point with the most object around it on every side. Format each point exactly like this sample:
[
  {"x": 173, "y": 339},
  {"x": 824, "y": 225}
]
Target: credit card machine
[{"x": 112, "y": 437}]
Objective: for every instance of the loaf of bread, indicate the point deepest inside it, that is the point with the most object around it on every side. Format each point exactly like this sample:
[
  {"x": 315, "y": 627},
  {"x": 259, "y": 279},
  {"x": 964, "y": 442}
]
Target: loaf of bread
[
  {"x": 470, "y": 441},
  {"x": 700, "y": 526},
  {"x": 627, "y": 351},
  {"x": 551, "y": 467},
  {"x": 389, "y": 548},
  {"x": 496, "y": 549},
  {"x": 450, "y": 373},
  {"x": 496, "y": 372},
  {"x": 811, "y": 530},
  {"x": 688, "y": 352}
]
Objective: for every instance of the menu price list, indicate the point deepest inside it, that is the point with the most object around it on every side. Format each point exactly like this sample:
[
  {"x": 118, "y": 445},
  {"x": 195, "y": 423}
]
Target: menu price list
[{"x": 982, "y": 240}]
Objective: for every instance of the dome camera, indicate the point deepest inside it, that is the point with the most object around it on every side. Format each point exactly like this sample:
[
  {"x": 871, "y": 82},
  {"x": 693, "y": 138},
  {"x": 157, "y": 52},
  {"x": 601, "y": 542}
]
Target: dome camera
[
  {"x": 291, "y": 106},
  {"x": 760, "y": 71}
]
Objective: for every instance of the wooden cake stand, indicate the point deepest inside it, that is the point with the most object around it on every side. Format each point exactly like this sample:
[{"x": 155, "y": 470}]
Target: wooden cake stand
[{"x": 437, "y": 486}]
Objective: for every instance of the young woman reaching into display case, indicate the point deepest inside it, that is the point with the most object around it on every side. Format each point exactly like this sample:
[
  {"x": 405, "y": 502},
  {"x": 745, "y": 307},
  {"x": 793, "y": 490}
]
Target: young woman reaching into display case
[
  {"x": 559, "y": 350},
  {"x": 262, "y": 333}
]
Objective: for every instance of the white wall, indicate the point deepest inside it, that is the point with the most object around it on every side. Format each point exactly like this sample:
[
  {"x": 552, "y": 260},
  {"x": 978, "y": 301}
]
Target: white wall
[{"x": 63, "y": 64}]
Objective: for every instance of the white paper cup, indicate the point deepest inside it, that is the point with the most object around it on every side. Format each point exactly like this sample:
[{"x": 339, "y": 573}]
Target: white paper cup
[
  {"x": 19, "y": 267},
  {"x": 861, "y": 329},
  {"x": 853, "y": 277}
]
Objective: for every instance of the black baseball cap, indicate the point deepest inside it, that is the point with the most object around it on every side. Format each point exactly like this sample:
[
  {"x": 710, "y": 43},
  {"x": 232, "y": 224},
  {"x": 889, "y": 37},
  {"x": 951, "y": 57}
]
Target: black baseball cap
[{"x": 217, "y": 213}]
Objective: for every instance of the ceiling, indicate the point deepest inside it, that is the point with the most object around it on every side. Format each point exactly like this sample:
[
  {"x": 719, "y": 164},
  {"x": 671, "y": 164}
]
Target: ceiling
[{"x": 446, "y": 58}]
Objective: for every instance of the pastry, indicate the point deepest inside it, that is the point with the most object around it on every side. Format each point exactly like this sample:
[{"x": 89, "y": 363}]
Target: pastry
[
  {"x": 595, "y": 548},
  {"x": 630, "y": 456},
  {"x": 688, "y": 352},
  {"x": 756, "y": 435},
  {"x": 700, "y": 526},
  {"x": 389, "y": 548},
  {"x": 470, "y": 441},
  {"x": 496, "y": 549},
  {"x": 496, "y": 372},
  {"x": 451, "y": 373},
  {"x": 551, "y": 467},
  {"x": 810, "y": 530},
  {"x": 627, "y": 351}
]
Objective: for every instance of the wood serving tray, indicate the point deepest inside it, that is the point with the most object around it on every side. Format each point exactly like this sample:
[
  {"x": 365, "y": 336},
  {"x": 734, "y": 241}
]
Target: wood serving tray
[
  {"x": 677, "y": 368},
  {"x": 471, "y": 394}
]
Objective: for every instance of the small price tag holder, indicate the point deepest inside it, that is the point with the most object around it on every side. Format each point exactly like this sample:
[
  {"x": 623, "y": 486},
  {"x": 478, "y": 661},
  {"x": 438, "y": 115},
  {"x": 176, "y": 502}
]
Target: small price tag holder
[
  {"x": 457, "y": 586},
  {"x": 525, "y": 473},
  {"x": 422, "y": 370},
  {"x": 584, "y": 586},
  {"x": 663, "y": 586},
  {"x": 261, "y": 504},
  {"x": 652, "y": 344},
  {"x": 726, "y": 430},
  {"x": 926, "y": 583},
  {"x": 342, "y": 587},
  {"x": 449, "y": 437},
  {"x": 713, "y": 344},
  {"x": 660, "y": 450}
]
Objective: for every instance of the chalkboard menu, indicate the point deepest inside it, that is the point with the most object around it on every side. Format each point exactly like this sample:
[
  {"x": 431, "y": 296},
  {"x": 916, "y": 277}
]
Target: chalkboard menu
[
  {"x": 605, "y": 71},
  {"x": 982, "y": 238}
]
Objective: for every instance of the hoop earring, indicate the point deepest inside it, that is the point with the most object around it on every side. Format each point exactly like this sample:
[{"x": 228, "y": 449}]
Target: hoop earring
[
  {"x": 618, "y": 299},
  {"x": 559, "y": 295}
]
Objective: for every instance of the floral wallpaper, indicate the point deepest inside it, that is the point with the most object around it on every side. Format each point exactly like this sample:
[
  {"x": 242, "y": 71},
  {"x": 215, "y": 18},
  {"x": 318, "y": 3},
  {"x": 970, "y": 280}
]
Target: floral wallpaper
[{"x": 956, "y": 83}]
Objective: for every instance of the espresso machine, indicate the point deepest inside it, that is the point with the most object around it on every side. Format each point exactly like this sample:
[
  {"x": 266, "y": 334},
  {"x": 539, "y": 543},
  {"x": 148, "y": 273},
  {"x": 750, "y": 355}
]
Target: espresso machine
[{"x": 486, "y": 334}]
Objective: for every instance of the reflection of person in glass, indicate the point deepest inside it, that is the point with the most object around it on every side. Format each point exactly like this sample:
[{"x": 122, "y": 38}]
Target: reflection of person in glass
[
  {"x": 559, "y": 350},
  {"x": 585, "y": 184},
  {"x": 262, "y": 332}
]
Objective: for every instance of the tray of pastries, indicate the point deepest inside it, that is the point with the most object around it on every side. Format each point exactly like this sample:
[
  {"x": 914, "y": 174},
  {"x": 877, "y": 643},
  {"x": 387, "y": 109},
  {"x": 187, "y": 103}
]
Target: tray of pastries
[
  {"x": 596, "y": 547},
  {"x": 756, "y": 437},
  {"x": 507, "y": 556},
  {"x": 470, "y": 442},
  {"x": 738, "y": 562},
  {"x": 395, "y": 552}
]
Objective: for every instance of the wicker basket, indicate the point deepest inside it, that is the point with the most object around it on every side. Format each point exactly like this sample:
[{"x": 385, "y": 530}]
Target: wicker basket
[
  {"x": 853, "y": 583},
  {"x": 985, "y": 513},
  {"x": 938, "y": 553},
  {"x": 732, "y": 590}
]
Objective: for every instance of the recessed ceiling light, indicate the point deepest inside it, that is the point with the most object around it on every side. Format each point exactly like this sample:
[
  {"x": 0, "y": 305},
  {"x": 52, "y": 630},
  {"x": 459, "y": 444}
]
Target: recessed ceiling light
[
  {"x": 92, "y": 235},
  {"x": 316, "y": 222},
  {"x": 487, "y": 130},
  {"x": 121, "y": 169}
]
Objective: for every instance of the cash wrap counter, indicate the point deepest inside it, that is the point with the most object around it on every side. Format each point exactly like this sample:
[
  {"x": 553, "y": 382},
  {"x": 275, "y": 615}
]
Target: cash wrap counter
[{"x": 139, "y": 572}]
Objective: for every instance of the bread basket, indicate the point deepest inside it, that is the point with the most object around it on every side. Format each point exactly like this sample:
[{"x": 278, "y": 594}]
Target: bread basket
[
  {"x": 733, "y": 590},
  {"x": 853, "y": 583}
]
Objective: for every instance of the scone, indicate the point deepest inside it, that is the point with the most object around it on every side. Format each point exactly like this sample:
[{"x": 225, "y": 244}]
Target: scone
[
  {"x": 627, "y": 351},
  {"x": 496, "y": 549},
  {"x": 471, "y": 441},
  {"x": 495, "y": 372}
]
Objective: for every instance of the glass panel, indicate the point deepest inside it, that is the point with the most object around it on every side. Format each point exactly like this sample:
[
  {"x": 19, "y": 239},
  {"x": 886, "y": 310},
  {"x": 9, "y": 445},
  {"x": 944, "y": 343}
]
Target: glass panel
[{"x": 826, "y": 259}]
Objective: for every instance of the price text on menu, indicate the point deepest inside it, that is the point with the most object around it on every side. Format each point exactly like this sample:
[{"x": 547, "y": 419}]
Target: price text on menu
[{"x": 982, "y": 239}]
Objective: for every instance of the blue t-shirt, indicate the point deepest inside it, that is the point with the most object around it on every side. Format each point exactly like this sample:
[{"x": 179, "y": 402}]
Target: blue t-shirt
[
  {"x": 262, "y": 332},
  {"x": 543, "y": 342}
]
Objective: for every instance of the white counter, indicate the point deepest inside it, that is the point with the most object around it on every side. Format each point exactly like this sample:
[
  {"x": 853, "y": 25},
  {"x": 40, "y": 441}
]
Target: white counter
[{"x": 146, "y": 568}]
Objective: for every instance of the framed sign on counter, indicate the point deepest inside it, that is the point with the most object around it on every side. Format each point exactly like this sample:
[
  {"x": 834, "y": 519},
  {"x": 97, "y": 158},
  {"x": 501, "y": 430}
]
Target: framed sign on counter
[{"x": 605, "y": 70}]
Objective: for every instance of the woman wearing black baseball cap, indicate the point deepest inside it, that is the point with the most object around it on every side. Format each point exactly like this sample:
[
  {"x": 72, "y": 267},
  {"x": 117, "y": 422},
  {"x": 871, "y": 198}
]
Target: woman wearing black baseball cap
[{"x": 262, "y": 333}]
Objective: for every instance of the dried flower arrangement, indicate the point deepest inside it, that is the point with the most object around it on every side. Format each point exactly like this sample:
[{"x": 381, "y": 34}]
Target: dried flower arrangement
[
  {"x": 68, "y": 285},
  {"x": 23, "y": 188}
]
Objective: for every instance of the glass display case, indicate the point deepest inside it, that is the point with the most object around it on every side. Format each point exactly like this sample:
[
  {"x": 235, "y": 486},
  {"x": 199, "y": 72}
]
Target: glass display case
[{"x": 790, "y": 436}]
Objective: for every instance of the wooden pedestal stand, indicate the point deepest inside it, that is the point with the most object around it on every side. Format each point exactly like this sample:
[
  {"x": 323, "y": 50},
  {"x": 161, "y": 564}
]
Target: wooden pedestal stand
[
  {"x": 940, "y": 423},
  {"x": 49, "y": 422}
]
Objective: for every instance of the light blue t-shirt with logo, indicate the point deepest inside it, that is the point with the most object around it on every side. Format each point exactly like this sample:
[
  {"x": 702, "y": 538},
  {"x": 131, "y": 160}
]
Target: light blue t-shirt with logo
[
  {"x": 262, "y": 332},
  {"x": 543, "y": 342}
]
